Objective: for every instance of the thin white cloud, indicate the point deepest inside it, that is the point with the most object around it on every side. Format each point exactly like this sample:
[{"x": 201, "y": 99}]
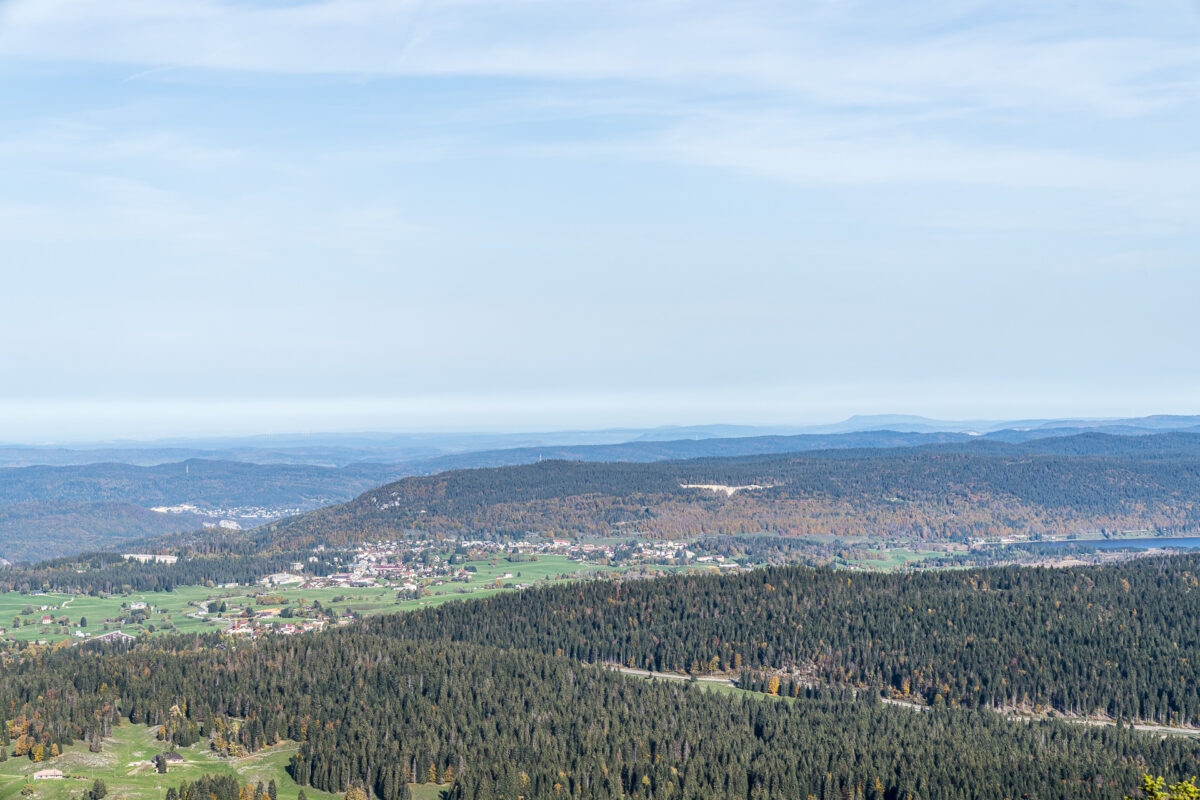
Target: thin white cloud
[
  {"x": 974, "y": 54},
  {"x": 811, "y": 151}
]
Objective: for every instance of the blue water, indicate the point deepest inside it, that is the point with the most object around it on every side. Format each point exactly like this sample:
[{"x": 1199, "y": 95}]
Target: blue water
[{"x": 1182, "y": 542}]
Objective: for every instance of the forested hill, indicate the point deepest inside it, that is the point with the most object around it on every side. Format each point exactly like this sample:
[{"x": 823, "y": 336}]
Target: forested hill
[
  {"x": 50, "y": 511},
  {"x": 1116, "y": 640},
  {"x": 33, "y": 531},
  {"x": 954, "y": 491}
]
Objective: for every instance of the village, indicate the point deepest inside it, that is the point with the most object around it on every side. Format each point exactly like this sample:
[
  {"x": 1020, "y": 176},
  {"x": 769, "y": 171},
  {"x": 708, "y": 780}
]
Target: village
[
  {"x": 411, "y": 560},
  {"x": 338, "y": 587},
  {"x": 410, "y": 564}
]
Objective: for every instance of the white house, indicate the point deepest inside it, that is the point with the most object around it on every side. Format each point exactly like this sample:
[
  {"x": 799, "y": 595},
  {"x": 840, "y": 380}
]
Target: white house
[{"x": 282, "y": 578}]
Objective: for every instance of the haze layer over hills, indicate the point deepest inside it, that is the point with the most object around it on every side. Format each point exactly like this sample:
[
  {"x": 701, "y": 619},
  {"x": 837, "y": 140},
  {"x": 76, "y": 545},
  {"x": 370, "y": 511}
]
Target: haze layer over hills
[{"x": 62, "y": 507}]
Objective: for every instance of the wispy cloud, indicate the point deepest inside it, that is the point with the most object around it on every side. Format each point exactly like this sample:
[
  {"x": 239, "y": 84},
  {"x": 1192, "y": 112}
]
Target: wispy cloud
[
  {"x": 847, "y": 92},
  {"x": 833, "y": 52}
]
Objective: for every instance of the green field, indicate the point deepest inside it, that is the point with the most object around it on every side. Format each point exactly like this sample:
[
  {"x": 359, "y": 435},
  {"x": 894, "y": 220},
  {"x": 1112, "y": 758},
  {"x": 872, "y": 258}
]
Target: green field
[
  {"x": 169, "y": 611},
  {"x": 894, "y": 558},
  {"x": 123, "y": 766}
]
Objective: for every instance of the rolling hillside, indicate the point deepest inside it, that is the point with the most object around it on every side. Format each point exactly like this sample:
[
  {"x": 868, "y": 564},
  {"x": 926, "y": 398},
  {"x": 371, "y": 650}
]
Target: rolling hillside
[
  {"x": 945, "y": 492},
  {"x": 52, "y": 511},
  {"x": 35, "y": 531}
]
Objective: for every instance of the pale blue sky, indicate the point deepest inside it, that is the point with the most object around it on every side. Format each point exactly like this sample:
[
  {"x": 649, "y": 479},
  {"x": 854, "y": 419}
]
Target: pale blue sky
[{"x": 225, "y": 217}]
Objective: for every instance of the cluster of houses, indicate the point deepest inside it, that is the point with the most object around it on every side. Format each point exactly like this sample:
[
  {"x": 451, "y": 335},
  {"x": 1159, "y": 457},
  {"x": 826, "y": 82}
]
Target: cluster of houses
[
  {"x": 79, "y": 634},
  {"x": 635, "y": 551},
  {"x": 256, "y": 626},
  {"x": 395, "y": 560},
  {"x": 231, "y": 513},
  {"x": 57, "y": 774},
  {"x": 239, "y": 621}
]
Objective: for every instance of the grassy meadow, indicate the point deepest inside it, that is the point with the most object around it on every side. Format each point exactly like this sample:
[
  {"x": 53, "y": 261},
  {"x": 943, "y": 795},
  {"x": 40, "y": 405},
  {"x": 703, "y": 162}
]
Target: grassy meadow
[
  {"x": 169, "y": 612},
  {"x": 124, "y": 766}
]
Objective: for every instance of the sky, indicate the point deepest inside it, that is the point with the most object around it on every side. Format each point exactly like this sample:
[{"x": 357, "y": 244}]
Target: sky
[{"x": 251, "y": 217}]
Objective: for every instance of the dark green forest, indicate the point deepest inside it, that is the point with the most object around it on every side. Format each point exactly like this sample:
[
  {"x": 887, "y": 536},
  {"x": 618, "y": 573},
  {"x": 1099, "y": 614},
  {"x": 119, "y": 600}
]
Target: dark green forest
[
  {"x": 378, "y": 712},
  {"x": 1117, "y": 640}
]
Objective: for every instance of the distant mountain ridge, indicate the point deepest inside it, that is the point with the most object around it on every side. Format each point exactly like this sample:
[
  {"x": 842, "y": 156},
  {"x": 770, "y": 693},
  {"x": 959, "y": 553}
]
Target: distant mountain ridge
[
  {"x": 343, "y": 449},
  {"x": 648, "y": 451},
  {"x": 207, "y": 484}
]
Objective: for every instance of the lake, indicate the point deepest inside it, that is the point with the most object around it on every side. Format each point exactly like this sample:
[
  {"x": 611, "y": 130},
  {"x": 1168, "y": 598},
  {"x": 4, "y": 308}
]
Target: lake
[{"x": 1180, "y": 542}]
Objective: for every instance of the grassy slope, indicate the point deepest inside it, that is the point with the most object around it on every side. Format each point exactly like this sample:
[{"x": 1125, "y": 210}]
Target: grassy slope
[{"x": 118, "y": 765}]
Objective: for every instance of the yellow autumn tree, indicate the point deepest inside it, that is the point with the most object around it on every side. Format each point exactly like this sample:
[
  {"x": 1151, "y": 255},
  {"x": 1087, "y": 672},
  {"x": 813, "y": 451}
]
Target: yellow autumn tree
[{"x": 1156, "y": 789}]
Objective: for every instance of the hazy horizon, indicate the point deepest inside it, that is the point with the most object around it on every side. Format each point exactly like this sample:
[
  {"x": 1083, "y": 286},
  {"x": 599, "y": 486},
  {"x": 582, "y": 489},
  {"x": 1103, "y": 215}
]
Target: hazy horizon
[{"x": 198, "y": 435}]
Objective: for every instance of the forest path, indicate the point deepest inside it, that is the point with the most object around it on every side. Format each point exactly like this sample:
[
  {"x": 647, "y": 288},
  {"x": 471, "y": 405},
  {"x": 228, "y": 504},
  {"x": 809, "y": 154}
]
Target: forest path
[{"x": 1162, "y": 730}]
